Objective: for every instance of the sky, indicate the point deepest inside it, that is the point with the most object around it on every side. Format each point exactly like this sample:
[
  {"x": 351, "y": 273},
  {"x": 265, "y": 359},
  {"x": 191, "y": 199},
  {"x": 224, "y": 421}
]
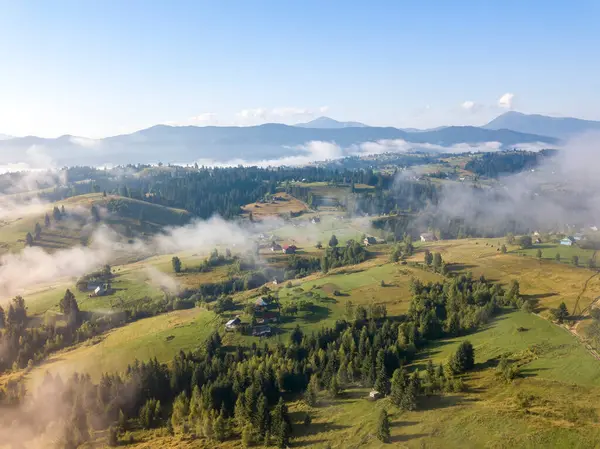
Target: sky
[{"x": 99, "y": 68}]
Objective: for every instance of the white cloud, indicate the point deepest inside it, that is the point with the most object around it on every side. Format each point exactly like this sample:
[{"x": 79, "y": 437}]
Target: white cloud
[
  {"x": 506, "y": 101},
  {"x": 469, "y": 105},
  {"x": 324, "y": 109},
  {"x": 205, "y": 117}
]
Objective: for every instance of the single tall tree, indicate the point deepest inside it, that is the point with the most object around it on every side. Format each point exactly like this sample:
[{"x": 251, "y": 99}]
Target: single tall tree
[
  {"x": 333, "y": 241},
  {"x": 383, "y": 427},
  {"x": 176, "y": 262}
]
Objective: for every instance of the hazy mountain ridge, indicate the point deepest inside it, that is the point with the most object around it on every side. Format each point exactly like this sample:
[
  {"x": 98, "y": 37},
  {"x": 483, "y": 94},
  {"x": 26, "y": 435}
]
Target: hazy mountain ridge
[
  {"x": 326, "y": 122},
  {"x": 557, "y": 127},
  {"x": 252, "y": 143}
]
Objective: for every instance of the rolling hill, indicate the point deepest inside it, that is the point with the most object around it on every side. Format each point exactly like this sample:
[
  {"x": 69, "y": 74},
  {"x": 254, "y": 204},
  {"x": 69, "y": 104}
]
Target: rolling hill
[
  {"x": 122, "y": 214},
  {"x": 557, "y": 127}
]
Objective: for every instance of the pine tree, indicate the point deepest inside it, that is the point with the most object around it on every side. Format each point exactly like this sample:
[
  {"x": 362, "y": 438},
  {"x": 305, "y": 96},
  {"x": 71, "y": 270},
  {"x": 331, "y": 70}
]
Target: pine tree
[
  {"x": 220, "y": 428},
  {"x": 47, "y": 221},
  {"x": 409, "y": 399},
  {"x": 383, "y": 427},
  {"x": 333, "y": 241},
  {"x": 176, "y": 262},
  {"x": 397, "y": 387},
  {"x": 334, "y": 387},
  {"x": 311, "y": 394},
  {"x": 281, "y": 427},
  {"x": 382, "y": 383},
  {"x": 29, "y": 239},
  {"x": 261, "y": 418},
  {"x": 37, "y": 231},
  {"x": 180, "y": 412},
  {"x": 247, "y": 436},
  {"x": 464, "y": 358}
]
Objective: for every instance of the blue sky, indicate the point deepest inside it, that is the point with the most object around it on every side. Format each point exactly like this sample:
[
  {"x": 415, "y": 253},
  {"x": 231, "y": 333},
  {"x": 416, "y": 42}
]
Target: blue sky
[{"x": 97, "y": 68}]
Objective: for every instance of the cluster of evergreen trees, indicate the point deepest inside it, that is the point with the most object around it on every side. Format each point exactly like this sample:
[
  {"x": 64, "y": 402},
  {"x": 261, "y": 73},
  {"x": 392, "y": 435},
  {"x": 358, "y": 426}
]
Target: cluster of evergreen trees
[{"x": 219, "y": 394}]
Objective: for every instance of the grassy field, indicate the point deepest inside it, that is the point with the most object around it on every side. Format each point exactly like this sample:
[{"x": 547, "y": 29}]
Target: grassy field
[
  {"x": 285, "y": 204},
  {"x": 545, "y": 282},
  {"x": 550, "y": 250},
  {"x": 162, "y": 337}
]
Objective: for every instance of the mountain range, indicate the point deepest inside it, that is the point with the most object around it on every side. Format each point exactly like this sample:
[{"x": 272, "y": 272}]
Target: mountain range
[
  {"x": 329, "y": 123},
  {"x": 186, "y": 144},
  {"x": 559, "y": 127}
]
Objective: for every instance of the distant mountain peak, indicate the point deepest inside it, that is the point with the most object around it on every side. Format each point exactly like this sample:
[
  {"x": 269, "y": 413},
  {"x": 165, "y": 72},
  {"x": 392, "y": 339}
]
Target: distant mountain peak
[
  {"x": 329, "y": 123},
  {"x": 557, "y": 127}
]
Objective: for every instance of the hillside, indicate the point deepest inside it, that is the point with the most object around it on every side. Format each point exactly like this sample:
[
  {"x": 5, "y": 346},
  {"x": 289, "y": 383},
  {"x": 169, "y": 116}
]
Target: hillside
[
  {"x": 558, "y": 127},
  {"x": 125, "y": 215}
]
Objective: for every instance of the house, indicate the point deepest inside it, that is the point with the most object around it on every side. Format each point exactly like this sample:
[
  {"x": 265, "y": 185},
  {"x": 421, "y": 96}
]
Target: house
[
  {"x": 260, "y": 302},
  {"x": 275, "y": 281},
  {"x": 369, "y": 241},
  {"x": 101, "y": 290},
  {"x": 315, "y": 220},
  {"x": 275, "y": 247},
  {"x": 232, "y": 325},
  {"x": 261, "y": 331},
  {"x": 567, "y": 241},
  {"x": 427, "y": 237},
  {"x": 289, "y": 249},
  {"x": 269, "y": 317}
]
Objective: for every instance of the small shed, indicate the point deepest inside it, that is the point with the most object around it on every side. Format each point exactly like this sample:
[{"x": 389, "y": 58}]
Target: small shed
[
  {"x": 275, "y": 247},
  {"x": 260, "y": 302},
  {"x": 100, "y": 290},
  {"x": 374, "y": 394}
]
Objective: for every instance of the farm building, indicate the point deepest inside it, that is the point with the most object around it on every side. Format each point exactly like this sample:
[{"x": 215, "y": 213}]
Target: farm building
[
  {"x": 369, "y": 241},
  {"x": 289, "y": 249},
  {"x": 260, "y": 302},
  {"x": 233, "y": 324},
  {"x": 315, "y": 220},
  {"x": 567, "y": 241},
  {"x": 275, "y": 247},
  {"x": 268, "y": 317},
  {"x": 427, "y": 237},
  {"x": 261, "y": 331}
]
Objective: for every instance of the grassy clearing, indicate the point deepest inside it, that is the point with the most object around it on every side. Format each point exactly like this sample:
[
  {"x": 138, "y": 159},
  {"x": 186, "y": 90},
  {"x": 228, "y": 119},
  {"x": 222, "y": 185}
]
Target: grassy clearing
[
  {"x": 285, "y": 204},
  {"x": 550, "y": 250},
  {"x": 162, "y": 337},
  {"x": 360, "y": 284},
  {"x": 555, "y": 354},
  {"x": 129, "y": 287},
  {"x": 545, "y": 282}
]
